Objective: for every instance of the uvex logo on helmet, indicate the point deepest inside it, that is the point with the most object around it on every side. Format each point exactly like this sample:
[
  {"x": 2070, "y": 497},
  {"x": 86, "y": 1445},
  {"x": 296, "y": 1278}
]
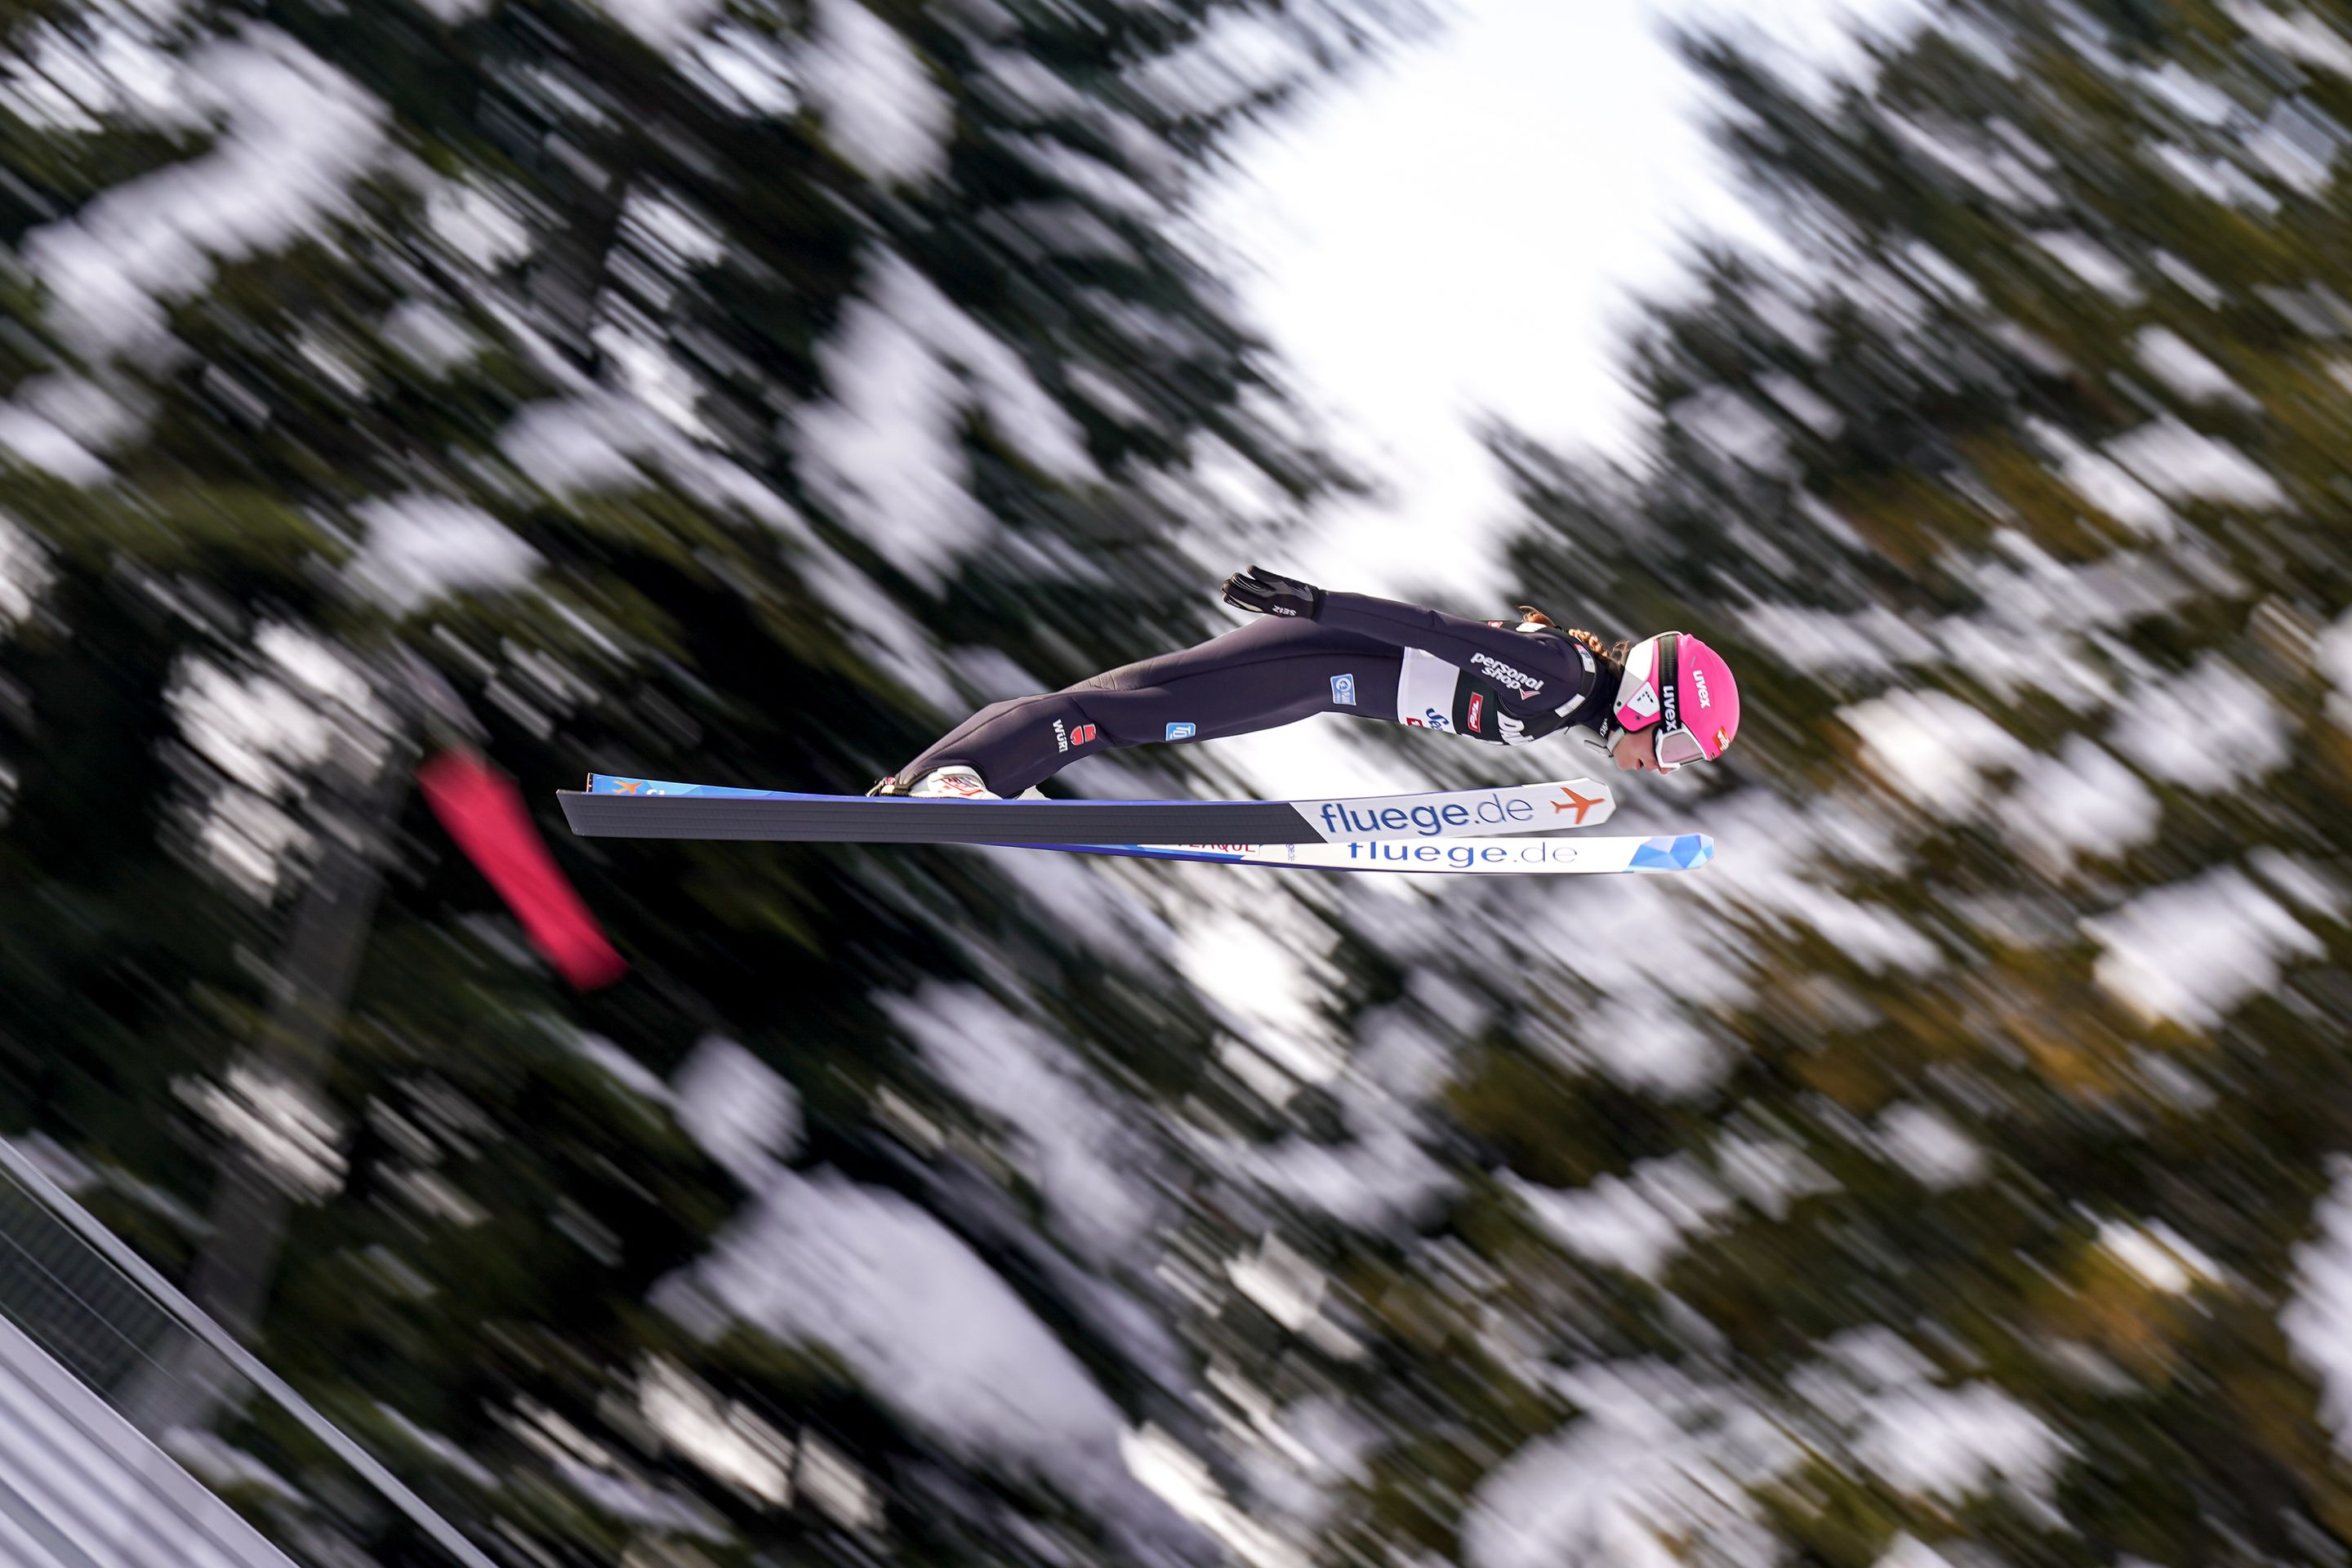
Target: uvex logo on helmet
[{"x": 1662, "y": 674}]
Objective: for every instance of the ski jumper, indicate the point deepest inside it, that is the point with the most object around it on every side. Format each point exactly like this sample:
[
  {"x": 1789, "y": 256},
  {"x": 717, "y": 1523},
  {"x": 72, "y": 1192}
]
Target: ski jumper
[{"x": 1363, "y": 657}]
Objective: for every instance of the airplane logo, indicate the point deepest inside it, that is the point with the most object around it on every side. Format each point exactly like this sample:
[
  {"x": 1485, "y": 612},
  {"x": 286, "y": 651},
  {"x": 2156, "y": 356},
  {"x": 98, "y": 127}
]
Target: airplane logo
[
  {"x": 631, "y": 786},
  {"x": 1577, "y": 802}
]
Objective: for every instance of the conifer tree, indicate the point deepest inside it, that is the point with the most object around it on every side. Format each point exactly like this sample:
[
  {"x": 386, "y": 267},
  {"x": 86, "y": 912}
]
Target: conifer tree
[
  {"x": 655, "y": 389},
  {"x": 1981, "y": 1206}
]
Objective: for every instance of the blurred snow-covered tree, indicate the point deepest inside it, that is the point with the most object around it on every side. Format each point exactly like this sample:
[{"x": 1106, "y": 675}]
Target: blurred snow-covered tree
[
  {"x": 1941, "y": 1167},
  {"x": 692, "y": 389}
]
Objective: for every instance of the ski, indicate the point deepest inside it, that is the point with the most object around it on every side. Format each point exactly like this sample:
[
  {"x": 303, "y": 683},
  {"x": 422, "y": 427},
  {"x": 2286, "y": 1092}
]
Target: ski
[
  {"x": 616, "y": 807},
  {"x": 1456, "y": 857}
]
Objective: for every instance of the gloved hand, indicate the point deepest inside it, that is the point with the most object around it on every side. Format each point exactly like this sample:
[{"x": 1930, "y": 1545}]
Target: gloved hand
[{"x": 1262, "y": 592}]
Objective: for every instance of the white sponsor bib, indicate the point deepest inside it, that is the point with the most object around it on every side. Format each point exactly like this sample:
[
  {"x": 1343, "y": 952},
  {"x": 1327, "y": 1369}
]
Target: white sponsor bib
[{"x": 1426, "y": 681}]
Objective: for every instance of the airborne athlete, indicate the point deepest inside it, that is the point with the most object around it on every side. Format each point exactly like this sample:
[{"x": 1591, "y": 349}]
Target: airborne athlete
[{"x": 1653, "y": 705}]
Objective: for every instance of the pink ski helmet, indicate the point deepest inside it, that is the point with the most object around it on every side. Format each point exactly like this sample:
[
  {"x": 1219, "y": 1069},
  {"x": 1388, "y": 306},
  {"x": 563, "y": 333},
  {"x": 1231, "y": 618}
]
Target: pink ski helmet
[{"x": 1679, "y": 684}]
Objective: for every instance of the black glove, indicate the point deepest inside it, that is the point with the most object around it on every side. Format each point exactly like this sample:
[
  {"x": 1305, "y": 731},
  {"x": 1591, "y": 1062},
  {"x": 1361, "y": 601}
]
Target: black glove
[{"x": 1261, "y": 593}]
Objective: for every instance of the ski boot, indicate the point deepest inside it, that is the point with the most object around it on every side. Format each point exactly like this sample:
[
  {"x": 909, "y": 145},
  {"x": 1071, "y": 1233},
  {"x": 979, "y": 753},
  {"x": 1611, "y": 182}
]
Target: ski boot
[{"x": 953, "y": 781}]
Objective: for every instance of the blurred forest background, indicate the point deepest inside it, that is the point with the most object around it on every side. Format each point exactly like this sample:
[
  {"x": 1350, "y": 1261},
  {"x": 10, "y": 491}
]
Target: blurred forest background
[{"x": 740, "y": 390}]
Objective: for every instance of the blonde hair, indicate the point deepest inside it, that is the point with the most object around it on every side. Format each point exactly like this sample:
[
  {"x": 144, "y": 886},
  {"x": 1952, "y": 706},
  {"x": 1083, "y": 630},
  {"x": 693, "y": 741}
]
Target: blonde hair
[{"x": 1614, "y": 654}]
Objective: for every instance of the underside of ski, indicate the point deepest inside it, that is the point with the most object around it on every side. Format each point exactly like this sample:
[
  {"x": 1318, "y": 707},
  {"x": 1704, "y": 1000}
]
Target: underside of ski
[
  {"x": 1462, "y": 856},
  {"x": 616, "y": 807}
]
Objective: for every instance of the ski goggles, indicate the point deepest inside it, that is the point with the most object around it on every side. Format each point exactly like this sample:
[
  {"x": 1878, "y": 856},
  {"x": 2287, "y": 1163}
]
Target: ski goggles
[{"x": 1677, "y": 747}]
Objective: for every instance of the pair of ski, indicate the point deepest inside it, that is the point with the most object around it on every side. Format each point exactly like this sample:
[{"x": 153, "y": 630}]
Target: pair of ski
[{"x": 1464, "y": 832}]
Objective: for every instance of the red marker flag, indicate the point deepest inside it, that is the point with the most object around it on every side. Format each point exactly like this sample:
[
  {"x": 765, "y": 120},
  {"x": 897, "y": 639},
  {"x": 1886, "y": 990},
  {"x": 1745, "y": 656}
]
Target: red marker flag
[{"x": 485, "y": 814}]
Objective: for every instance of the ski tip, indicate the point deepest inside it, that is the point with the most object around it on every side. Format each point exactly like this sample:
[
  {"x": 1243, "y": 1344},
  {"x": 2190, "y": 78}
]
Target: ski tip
[
  {"x": 618, "y": 783},
  {"x": 1675, "y": 852}
]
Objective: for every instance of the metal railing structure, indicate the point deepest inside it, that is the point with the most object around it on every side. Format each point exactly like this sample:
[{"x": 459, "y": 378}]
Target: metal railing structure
[{"x": 93, "y": 1307}]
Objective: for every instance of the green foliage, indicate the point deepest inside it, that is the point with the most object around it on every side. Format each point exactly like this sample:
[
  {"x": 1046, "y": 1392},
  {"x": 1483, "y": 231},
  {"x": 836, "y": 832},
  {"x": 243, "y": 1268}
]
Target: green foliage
[
  {"x": 181, "y": 755},
  {"x": 1969, "y": 436},
  {"x": 1937, "y": 492}
]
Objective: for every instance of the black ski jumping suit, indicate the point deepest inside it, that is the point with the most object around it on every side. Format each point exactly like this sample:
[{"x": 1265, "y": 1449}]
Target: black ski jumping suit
[{"x": 1367, "y": 657}]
